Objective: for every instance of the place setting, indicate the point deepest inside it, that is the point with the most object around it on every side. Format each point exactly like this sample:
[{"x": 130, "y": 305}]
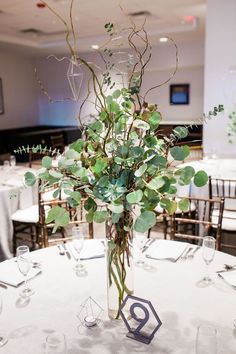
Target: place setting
[{"x": 18, "y": 271}]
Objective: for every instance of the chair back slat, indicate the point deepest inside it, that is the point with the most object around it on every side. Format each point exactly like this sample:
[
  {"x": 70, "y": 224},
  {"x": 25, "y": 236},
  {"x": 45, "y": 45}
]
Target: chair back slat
[{"x": 198, "y": 222}]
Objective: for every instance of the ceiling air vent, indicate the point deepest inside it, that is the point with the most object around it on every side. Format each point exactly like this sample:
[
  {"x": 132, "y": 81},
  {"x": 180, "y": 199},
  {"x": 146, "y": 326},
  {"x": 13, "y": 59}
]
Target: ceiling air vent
[
  {"x": 31, "y": 31},
  {"x": 140, "y": 14}
]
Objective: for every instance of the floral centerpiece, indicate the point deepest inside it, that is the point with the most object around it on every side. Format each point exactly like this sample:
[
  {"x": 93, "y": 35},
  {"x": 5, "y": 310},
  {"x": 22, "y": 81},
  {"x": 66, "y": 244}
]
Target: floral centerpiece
[{"x": 124, "y": 162}]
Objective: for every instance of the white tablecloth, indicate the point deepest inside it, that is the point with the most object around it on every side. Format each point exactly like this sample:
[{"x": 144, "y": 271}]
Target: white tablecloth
[
  {"x": 13, "y": 196},
  {"x": 180, "y": 300}
]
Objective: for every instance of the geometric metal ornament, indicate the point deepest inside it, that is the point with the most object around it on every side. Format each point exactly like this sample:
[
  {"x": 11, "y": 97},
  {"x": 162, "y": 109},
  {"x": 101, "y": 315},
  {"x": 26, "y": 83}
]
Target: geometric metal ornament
[
  {"x": 140, "y": 319},
  {"x": 90, "y": 313},
  {"x": 75, "y": 77}
]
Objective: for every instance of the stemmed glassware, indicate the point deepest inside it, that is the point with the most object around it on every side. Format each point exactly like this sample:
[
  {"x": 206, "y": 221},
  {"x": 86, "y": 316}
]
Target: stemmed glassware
[
  {"x": 140, "y": 241},
  {"x": 56, "y": 343},
  {"x": 208, "y": 252},
  {"x": 78, "y": 244},
  {"x": 13, "y": 161},
  {"x": 206, "y": 341},
  {"x": 3, "y": 340},
  {"x": 24, "y": 264}
]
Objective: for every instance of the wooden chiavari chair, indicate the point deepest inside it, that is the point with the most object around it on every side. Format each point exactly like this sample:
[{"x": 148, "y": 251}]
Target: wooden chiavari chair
[
  {"x": 57, "y": 142},
  {"x": 35, "y": 157},
  {"x": 193, "y": 226},
  {"x": 29, "y": 224},
  {"x": 76, "y": 216},
  {"x": 225, "y": 188}
]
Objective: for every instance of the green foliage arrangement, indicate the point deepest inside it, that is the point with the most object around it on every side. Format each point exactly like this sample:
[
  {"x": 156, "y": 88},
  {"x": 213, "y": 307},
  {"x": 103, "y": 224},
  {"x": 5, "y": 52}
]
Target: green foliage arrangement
[{"x": 125, "y": 161}]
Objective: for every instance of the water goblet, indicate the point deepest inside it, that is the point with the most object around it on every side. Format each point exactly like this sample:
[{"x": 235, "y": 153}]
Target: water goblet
[
  {"x": 78, "y": 243},
  {"x": 208, "y": 252},
  {"x": 3, "y": 340},
  {"x": 24, "y": 264},
  {"x": 206, "y": 340},
  {"x": 56, "y": 343},
  {"x": 6, "y": 165},
  {"x": 13, "y": 161}
]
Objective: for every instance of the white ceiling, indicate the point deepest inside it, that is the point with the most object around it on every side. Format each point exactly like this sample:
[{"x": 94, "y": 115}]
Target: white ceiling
[{"x": 168, "y": 17}]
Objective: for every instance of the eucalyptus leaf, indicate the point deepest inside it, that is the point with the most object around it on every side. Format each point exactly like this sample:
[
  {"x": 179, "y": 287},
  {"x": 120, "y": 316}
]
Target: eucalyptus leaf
[
  {"x": 47, "y": 161},
  {"x": 100, "y": 216},
  {"x": 58, "y": 215},
  {"x": 140, "y": 171},
  {"x": 154, "y": 120},
  {"x": 116, "y": 208},
  {"x": 200, "y": 178},
  {"x": 141, "y": 124},
  {"x": 30, "y": 179},
  {"x": 145, "y": 221},
  {"x": 169, "y": 205},
  {"x": 134, "y": 197},
  {"x": 183, "y": 204},
  {"x": 156, "y": 183},
  {"x": 55, "y": 174},
  {"x": 181, "y": 132},
  {"x": 179, "y": 153}
]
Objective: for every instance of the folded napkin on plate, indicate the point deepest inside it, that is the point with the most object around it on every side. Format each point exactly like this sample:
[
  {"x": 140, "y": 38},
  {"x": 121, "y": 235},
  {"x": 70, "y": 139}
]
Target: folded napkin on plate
[
  {"x": 229, "y": 277},
  {"x": 92, "y": 249},
  {"x": 166, "y": 250},
  {"x": 10, "y": 274}
]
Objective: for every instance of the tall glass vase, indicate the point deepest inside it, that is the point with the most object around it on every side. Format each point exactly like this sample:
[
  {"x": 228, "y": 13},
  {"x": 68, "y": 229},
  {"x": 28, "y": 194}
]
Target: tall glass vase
[{"x": 119, "y": 263}]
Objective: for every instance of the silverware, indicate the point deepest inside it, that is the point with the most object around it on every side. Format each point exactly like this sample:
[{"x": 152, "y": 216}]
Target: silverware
[
  {"x": 185, "y": 254},
  {"x": 191, "y": 255},
  {"x": 224, "y": 270},
  {"x": 230, "y": 285},
  {"x": 66, "y": 251},
  {"x": 147, "y": 244},
  {"x": 229, "y": 267},
  {"x": 61, "y": 251},
  {"x": 4, "y": 286}
]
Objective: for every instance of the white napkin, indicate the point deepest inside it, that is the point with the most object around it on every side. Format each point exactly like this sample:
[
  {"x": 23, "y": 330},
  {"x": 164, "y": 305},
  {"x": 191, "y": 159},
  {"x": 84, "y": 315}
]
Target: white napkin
[
  {"x": 166, "y": 250},
  {"x": 229, "y": 277},
  {"x": 92, "y": 249},
  {"x": 10, "y": 274}
]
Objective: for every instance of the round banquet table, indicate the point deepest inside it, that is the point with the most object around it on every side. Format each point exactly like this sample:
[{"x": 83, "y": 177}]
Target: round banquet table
[{"x": 174, "y": 289}]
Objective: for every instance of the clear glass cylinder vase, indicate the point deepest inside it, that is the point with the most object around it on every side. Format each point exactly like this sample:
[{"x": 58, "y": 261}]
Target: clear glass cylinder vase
[{"x": 119, "y": 257}]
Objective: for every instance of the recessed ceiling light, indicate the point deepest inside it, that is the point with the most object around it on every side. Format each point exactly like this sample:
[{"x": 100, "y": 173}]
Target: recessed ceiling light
[
  {"x": 95, "y": 46},
  {"x": 163, "y": 39}
]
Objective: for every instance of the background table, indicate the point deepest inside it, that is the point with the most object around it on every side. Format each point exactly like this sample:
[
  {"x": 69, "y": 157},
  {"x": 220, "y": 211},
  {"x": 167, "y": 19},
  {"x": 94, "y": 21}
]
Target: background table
[
  {"x": 13, "y": 196},
  {"x": 174, "y": 289}
]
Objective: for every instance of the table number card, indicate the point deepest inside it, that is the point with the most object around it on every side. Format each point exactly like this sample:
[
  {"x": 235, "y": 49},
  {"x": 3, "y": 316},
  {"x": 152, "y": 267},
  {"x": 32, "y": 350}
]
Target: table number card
[{"x": 140, "y": 319}]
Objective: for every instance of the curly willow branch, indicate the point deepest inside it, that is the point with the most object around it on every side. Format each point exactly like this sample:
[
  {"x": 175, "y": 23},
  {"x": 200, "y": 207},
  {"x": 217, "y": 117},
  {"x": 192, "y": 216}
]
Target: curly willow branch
[
  {"x": 96, "y": 84},
  {"x": 45, "y": 92},
  {"x": 174, "y": 72}
]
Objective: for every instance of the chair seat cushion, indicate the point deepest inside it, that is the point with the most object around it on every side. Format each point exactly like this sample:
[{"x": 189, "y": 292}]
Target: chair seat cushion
[
  {"x": 229, "y": 219},
  {"x": 27, "y": 215}
]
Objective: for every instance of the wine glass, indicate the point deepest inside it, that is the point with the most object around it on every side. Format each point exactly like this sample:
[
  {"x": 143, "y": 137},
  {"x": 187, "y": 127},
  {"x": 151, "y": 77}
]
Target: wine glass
[
  {"x": 12, "y": 160},
  {"x": 206, "y": 340},
  {"x": 3, "y": 340},
  {"x": 78, "y": 243},
  {"x": 208, "y": 252},
  {"x": 56, "y": 343},
  {"x": 24, "y": 264},
  {"x": 140, "y": 241}
]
